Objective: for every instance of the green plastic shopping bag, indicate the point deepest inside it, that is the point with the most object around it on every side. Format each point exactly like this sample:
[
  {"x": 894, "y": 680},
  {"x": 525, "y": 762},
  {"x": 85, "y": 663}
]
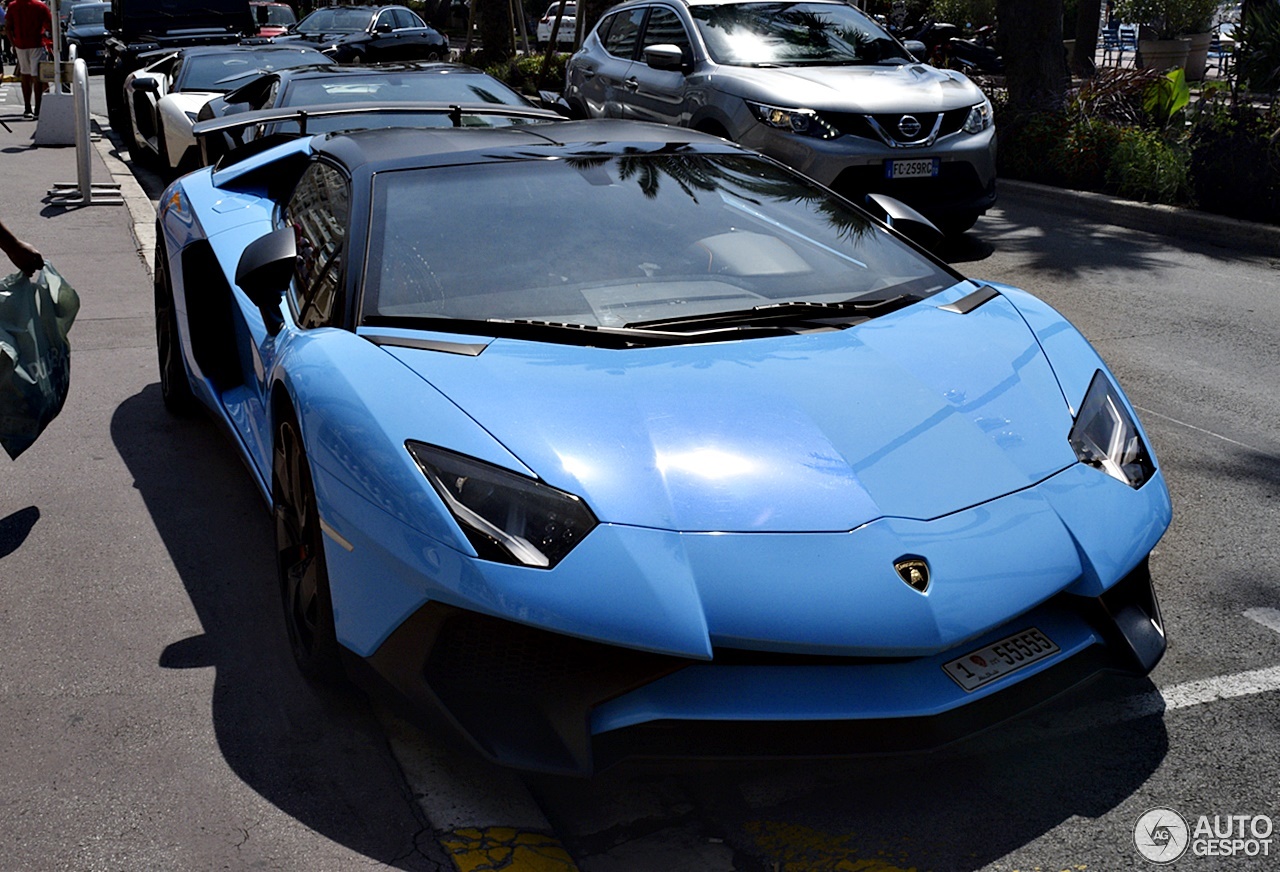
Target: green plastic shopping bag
[{"x": 35, "y": 357}]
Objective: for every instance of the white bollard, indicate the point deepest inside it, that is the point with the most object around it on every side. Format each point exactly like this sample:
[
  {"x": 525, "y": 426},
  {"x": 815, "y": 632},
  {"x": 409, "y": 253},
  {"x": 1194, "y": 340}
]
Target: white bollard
[{"x": 83, "y": 192}]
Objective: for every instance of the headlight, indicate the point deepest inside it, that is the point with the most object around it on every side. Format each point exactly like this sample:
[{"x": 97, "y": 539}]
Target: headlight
[
  {"x": 980, "y": 118},
  {"x": 1106, "y": 437},
  {"x": 802, "y": 121},
  {"x": 507, "y": 517}
]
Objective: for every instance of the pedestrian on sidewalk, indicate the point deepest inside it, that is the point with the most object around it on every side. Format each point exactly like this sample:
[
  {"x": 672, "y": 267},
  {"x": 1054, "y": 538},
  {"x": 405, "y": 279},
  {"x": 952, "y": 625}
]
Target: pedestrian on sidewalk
[
  {"x": 27, "y": 24},
  {"x": 23, "y": 255},
  {"x": 4, "y": 40}
]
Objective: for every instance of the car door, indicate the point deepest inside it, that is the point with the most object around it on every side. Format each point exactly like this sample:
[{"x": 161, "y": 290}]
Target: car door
[
  {"x": 602, "y": 74},
  {"x": 663, "y": 96},
  {"x": 319, "y": 212},
  {"x": 382, "y": 43}
]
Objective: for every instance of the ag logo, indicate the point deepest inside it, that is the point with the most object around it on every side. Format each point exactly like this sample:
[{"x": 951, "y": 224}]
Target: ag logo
[
  {"x": 1161, "y": 835},
  {"x": 914, "y": 571}
]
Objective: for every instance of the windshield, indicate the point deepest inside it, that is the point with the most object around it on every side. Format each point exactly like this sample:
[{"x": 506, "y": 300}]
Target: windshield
[
  {"x": 614, "y": 240},
  {"x": 277, "y": 15},
  {"x": 786, "y": 34},
  {"x": 336, "y": 19},
  {"x": 226, "y": 71},
  {"x": 400, "y": 87},
  {"x": 82, "y": 15}
]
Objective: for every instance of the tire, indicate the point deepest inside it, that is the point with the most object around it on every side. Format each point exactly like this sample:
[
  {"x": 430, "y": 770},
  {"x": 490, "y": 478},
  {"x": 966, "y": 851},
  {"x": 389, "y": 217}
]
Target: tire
[
  {"x": 433, "y": 56},
  {"x": 300, "y": 561},
  {"x": 175, "y": 387}
]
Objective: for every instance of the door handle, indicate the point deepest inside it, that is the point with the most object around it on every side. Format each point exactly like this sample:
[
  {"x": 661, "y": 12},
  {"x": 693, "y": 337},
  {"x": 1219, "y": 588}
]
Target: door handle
[
  {"x": 588, "y": 74},
  {"x": 631, "y": 84}
]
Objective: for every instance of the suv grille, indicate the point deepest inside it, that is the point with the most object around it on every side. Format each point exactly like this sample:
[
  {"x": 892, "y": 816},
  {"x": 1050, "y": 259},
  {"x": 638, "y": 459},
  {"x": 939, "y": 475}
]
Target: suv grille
[{"x": 892, "y": 129}]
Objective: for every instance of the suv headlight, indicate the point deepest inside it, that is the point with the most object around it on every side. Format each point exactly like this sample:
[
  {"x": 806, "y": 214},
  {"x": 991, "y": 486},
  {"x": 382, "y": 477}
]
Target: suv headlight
[
  {"x": 979, "y": 118},
  {"x": 1105, "y": 436},
  {"x": 804, "y": 122},
  {"x": 506, "y": 517}
]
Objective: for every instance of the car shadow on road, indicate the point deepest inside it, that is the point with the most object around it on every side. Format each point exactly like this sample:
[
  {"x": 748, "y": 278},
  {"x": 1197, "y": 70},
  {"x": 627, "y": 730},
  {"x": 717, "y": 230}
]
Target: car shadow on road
[
  {"x": 318, "y": 756},
  {"x": 959, "y": 808}
]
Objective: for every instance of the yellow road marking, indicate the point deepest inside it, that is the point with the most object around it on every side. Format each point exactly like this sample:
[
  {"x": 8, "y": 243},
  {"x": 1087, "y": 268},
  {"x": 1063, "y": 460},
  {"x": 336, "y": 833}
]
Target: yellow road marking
[
  {"x": 481, "y": 849},
  {"x": 796, "y": 848}
]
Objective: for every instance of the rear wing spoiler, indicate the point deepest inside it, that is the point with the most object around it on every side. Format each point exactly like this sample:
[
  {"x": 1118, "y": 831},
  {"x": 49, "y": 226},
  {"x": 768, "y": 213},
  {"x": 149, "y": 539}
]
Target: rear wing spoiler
[{"x": 455, "y": 112}]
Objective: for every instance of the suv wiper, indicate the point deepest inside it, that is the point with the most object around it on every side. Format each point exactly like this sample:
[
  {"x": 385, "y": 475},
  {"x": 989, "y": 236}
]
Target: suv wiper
[{"x": 788, "y": 311}]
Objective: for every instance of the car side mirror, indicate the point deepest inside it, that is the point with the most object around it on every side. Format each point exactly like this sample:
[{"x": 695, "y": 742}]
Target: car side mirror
[
  {"x": 383, "y": 27},
  {"x": 907, "y": 221},
  {"x": 917, "y": 48},
  {"x": 664, "y": 57},
  {"x": 149, "y": 85},
  {"x": 264, "y": 272}
]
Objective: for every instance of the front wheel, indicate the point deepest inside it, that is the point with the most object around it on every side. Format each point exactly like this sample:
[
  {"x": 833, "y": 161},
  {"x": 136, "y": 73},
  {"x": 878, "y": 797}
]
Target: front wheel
[{"x": 300, "y": 563}]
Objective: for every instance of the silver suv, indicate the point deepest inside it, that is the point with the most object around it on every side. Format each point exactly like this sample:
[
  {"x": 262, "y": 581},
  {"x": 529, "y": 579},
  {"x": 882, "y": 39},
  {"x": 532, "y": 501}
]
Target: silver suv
[{"x": 815, "y": 84}]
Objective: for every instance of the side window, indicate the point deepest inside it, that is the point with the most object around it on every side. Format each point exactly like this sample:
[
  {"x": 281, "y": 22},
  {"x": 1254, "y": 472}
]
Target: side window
[
  {"x": 318, "y": 212},
  {"x": 405, "y": 18},
  {"x": 602, "y": 29},
  {"x": 624, "y": 32},
  {"x": 665, "y": 28},
  {"x": 386, "y": 19}
]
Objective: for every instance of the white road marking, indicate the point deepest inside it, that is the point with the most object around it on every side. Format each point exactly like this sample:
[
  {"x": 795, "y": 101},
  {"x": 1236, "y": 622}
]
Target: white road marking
[
  {"x": 1148, "y": 412},
  {"x": 1269, "y": 618}
]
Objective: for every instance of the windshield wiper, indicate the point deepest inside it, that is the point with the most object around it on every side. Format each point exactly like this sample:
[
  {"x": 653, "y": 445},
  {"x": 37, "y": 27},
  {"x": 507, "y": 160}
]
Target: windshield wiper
[{"x": 788, "y": 311}]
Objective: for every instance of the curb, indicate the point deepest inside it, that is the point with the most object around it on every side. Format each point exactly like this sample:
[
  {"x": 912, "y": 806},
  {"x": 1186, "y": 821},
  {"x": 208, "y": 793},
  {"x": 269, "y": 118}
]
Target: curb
[{"x": 1174, "y": 221}]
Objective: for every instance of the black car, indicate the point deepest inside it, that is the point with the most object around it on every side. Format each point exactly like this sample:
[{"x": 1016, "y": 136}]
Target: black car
[
  {"x": 372, "y": 34},
  {"x": 384, "y": 85},
  {"x": 137, "y": 29},
  {"x": 85, "y": 28}
]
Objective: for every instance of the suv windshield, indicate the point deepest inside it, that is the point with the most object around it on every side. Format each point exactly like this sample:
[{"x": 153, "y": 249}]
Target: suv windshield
[
  {"x": 616, "y": 240},
  {"x": 786, "y": 34},
  {"x": 336, "y": 19},
  {"x": 88, "y": 14}
]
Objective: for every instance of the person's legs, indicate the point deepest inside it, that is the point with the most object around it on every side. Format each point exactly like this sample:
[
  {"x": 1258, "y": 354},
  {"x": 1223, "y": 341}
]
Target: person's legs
[{"x": 29, "y": 71}]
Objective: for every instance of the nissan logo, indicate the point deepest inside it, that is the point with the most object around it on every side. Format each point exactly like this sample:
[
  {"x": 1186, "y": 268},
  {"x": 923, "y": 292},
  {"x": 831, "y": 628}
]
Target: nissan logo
[{"x": 908, "y": 126}]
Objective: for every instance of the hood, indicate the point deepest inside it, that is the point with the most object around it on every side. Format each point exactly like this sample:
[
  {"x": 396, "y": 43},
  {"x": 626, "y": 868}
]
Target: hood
[
  {"x": 868, "y": 89},
  {"x": 917, "y": 414}
]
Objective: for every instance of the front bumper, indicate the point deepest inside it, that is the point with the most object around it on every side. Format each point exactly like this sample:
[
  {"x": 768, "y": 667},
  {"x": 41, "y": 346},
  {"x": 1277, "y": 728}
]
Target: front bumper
[
  {"x": 543, "y": 701},
  {"x": 854, "y": 166}
]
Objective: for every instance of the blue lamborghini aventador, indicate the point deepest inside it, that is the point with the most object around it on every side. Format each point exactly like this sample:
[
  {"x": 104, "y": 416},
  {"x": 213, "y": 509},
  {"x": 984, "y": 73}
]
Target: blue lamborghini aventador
[{"x": 592, "y": 440}]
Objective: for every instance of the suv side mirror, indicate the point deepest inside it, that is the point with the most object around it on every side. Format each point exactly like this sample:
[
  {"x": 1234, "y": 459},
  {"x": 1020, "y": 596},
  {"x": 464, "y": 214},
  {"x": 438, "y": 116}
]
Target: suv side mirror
[
  {"x": 264, "y": 272},
  {"x": 664, "y": 57}
]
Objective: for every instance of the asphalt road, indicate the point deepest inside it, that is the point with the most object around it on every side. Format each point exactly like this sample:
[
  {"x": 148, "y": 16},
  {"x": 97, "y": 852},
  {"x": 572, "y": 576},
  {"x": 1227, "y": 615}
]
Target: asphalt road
[{"x": 151, "y": 657}]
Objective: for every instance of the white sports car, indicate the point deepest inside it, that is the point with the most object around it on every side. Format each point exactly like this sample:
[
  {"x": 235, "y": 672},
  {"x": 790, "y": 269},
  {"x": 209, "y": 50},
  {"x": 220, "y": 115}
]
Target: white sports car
[{"x": 164, "y": 97}]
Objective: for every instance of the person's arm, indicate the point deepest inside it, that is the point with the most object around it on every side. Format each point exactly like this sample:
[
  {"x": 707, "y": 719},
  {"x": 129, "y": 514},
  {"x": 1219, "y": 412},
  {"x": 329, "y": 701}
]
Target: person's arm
[{"x": 23, "y": 255}]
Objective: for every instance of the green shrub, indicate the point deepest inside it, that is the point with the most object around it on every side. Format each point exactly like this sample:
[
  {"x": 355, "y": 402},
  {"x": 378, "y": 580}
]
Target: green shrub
[
  {"x": 1148, "y": 167},
  {"x": 1258, "y": 52},
  {"x": 522, "y": 72},
  {"x": 975, "y": 13},
  {"x": 1235, "y": 159}
]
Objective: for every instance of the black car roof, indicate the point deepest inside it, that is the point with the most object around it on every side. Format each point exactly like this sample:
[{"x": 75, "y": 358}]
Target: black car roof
[
  {"x": 197, "y": 50},
  {"x": 395, "y": 148},
  {"x": 324, "y": 71}
]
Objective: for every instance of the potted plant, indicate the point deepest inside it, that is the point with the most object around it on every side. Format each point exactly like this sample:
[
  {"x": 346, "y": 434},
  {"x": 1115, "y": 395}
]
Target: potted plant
[
  {"x": 1198, "y": 27},
  {"x": 1162, "y": 23}
]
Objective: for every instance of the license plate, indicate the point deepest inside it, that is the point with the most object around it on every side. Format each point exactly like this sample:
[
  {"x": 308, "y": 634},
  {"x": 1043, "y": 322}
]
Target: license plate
[
  {"x": 911, "y": 169},
  {"x": 981, "y": 667}
]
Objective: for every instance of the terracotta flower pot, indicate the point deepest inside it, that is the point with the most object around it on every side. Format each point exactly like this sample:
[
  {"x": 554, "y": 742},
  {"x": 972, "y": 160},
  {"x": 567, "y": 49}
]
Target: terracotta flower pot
[
  {"x": 1163, "y": 54},
  {"x": 1198, "y": 55}
]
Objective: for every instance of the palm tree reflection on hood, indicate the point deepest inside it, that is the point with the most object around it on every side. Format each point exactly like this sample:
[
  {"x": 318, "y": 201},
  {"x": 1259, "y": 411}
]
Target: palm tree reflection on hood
[{"x": 747, "y": 178}]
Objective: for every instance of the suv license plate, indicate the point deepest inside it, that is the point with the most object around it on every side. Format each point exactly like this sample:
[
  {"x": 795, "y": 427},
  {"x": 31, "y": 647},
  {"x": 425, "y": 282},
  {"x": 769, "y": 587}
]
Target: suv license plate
[
  {"x": 981, "y": 667},
  {"x": 911, "y": 169}
]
